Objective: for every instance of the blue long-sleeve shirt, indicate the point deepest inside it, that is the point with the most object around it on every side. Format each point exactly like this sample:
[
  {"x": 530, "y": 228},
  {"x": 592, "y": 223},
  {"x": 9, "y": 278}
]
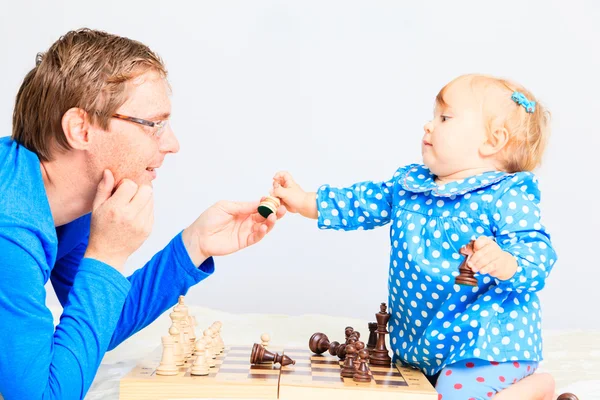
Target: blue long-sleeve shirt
[
  {"x": 435, "y": 322},
  {"x": 101, "y": 308}
]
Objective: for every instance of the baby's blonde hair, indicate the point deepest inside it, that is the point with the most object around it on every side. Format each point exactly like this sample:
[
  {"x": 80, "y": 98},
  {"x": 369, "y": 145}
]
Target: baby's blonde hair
[{"x": 528, "y": 132}]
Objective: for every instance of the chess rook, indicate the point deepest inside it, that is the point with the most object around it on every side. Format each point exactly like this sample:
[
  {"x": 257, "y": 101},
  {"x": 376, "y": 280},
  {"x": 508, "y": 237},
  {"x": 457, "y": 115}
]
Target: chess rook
[
  {"x": 379, "y": 355},
  {"x": 260, "y": 355},
  {"x": 168, "y": 364},
  {"x": 372, "y": 336},
  {"x": 466, "y": 276}
]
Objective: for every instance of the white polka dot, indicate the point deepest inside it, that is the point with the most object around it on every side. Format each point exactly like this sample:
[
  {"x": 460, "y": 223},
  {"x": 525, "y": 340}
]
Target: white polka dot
[
  {"x": 327, "y": 222},
  {"x": 509, "y": 219},
  {"x": 474, "y": 206},
  {"x": 435, "y": 254},
  {"x": 335, "y": 213},
  {"x": 373, "y": 206},
  {"x": 440, "y": 203},
  {"x": 323, "y": 204},
  {"x": 384, "y": 214},
  {"x": 416, "y": 239},
  {"x": 361, "y": 219}
]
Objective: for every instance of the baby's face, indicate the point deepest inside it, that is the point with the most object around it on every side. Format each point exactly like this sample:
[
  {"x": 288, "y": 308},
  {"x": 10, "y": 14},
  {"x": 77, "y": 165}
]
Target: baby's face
[{"x": 453, "y": 138}]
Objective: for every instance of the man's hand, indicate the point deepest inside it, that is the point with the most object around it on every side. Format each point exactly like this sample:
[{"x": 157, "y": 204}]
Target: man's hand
[
  {"x": 489, "y": 258},
  {"x": 225, "y": 228},
  {"x": 121, "y": 222}
]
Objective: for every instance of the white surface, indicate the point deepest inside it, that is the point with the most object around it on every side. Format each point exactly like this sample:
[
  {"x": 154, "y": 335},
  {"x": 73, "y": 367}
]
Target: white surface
[
  {"x": 572, "y": 357},
  {"x": 337, "y": 91}
]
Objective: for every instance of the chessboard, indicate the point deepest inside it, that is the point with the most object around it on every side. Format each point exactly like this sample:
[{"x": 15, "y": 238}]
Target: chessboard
[{"x": 312, "y": 376}]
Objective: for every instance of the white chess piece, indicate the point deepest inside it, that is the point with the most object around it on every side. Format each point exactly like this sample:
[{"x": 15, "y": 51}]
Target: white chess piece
[
  {"x": 178, "y": 349},
  {"x": 200, "y": 366},
  {"x": 208, "y": 340},
  {"x": 265, "y": 339},
  {"x": 219, "y": 326},
  {"x": 179, "y": 320},
  {"x": 216, "y": 347},
  {"x": 168, "y": 364}
]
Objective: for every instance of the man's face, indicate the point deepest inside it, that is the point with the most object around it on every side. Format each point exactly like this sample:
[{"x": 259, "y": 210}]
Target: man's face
[{"x": 131, "y": 150}]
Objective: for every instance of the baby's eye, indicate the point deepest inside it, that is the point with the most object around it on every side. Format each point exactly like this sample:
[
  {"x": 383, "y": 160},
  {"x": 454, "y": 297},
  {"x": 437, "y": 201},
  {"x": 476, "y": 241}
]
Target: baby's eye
[{"x": 444, "y": 118}]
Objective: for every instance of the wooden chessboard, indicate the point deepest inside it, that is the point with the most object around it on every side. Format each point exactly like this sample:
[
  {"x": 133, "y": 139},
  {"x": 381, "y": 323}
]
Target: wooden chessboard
[{"x": 313, "y": 376}]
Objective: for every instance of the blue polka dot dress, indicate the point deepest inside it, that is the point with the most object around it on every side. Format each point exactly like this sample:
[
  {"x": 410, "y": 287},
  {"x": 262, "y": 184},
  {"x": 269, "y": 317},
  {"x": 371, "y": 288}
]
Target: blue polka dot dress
[{"x": 435, "y": 322}]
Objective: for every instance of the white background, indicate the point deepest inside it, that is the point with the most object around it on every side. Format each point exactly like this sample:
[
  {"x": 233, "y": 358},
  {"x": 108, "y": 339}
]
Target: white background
[{"x": 337, "y": 92}]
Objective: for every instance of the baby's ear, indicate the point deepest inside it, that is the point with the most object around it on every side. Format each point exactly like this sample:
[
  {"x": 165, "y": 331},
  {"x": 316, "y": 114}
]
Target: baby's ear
[{"x": 497, "y": 139}]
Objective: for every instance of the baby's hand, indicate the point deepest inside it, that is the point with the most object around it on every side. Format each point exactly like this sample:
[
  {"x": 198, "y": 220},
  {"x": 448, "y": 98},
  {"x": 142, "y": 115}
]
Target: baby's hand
[
  {"x": 292, "y": 196},
  {"x": 489, "y": 258}
]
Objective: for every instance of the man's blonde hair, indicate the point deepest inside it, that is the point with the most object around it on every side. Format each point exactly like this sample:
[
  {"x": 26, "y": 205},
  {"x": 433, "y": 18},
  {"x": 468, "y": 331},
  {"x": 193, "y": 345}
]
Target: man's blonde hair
[
  {"x": 86, "y": 68},
  {"x": 528, "y": 132}
]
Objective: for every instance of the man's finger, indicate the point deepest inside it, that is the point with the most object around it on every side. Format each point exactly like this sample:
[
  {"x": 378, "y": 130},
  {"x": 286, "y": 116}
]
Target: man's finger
[{"x": 104, "y": 190}]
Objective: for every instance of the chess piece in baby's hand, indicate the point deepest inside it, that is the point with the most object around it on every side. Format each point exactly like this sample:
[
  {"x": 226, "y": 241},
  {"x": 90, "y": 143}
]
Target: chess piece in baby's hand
[
  {"x": 567, "y": 396},
  {"x": 260, "y": 355},
  {"x": 362, "y": 374},
  {"x": 319, "y": 343},
  {"x": 466, "y": 276},
  {"x": 268, "y": 206}
]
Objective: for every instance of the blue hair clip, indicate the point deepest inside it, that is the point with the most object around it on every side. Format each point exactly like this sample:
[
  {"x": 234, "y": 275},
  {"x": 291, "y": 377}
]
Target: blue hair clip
[{"x": 521, "y": 100}]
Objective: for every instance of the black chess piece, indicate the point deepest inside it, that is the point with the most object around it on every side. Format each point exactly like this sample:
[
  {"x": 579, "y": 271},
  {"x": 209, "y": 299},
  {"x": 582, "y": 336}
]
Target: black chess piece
[
  {"x": 260, "y": 355},
  {"x": 319, "y": 343},
  {"x": 358, "y": 346},
  {"x": 362, "y": 374},
  {"x": 379, "y": 355},
  {"x": 372, "y": 336},
  {"x": 466, "y": 276},
  {"x": 349, "y": 365},
  {"x": 567, "y": 396}
]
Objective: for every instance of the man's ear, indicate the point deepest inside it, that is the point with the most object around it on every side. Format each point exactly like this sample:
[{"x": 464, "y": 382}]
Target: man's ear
[
  {"x": 75, "y": 125},
  {"x": 496, "y": 141}
]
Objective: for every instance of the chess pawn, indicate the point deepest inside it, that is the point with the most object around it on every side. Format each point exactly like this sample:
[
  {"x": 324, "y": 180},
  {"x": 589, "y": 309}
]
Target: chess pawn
[
  {"x": 260, "y": 355},
  {"x": 192, "y": 323},
  {"x": 265, "y": 339},
  {"x": 168, "y": 364},
  {"x": 208, "y": 338},
  {"x": 362, "y": 374},
  {"x": 319, "y": 343},
  {"x": 219, "y": 326},
  {"x": 379, "y": 355},
  {"x": 178, "y": 349},
  {"x": 358, "y": 346},
  {"x": 348, "y": 331},
  {"x": 268, "y": 206},
  {"x": 466, "y": 276},
  {"x": 372, "y": 336},
  {"x": 200, "y": 366},
  {"x": 349, "y": 366}
]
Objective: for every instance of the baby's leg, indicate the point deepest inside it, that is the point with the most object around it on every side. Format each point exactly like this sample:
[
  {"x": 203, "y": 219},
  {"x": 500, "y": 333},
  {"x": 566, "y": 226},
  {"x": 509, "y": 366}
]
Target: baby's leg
[
  {"x": 480, "y": 380},
  {"x": 533, "y": 387}
]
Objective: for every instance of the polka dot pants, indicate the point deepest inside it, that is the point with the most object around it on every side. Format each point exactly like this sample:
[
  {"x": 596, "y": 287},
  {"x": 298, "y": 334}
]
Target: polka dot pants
[{"x": 480, "y": 379}]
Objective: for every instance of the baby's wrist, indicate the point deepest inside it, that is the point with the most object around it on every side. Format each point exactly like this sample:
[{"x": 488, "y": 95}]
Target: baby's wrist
[
  {"x": 309, "y": 209},
  {"x": 510, "y": 266}
]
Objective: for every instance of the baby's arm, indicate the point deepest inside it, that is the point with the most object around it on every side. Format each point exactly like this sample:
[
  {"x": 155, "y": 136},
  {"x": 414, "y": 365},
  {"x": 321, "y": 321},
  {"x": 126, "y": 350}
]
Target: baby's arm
[
  {"x": 364, "y": 205},
  {"x": 516, "y": 224}
]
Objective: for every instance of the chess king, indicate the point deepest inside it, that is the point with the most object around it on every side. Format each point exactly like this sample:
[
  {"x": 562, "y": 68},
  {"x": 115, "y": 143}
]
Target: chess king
[{"x": 90, "y": 131}]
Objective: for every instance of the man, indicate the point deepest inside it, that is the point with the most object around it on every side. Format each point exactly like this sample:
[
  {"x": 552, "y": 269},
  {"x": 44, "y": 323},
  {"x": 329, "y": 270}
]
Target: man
[{"x": 90, "y": 129}]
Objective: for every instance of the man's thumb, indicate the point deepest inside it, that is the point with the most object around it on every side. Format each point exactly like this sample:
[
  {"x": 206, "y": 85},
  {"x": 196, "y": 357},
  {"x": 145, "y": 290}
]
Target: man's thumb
[{"x": 105, "y": 188}]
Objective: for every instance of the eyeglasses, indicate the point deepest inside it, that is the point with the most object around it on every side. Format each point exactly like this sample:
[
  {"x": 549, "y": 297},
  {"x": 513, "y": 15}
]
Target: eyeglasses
[{"x": 160, "y": 125}]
